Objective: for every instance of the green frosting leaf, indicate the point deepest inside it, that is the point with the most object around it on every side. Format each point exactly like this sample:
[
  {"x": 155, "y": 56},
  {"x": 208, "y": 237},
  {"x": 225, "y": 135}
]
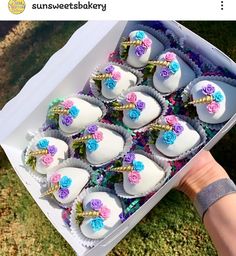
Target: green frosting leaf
[
  {"x": 53, "y": 104},
  {"x": 98, "y": 84},
  {"x": 79, "y": 209},
  {"x": 31, "y": 161},
  {"x": 124, "y": 53},
  {"x": 125, "y": 50},
  {"x": 153, "y": 136},
  {"x": 149, "y": 70},
  {"x": 192, "y": 112},
  {"x": 53, "y": 116},
  {"x": 115, "y": 178},
  {"x": 117, "y": 163},
  {"x": 79, "y": 148}
]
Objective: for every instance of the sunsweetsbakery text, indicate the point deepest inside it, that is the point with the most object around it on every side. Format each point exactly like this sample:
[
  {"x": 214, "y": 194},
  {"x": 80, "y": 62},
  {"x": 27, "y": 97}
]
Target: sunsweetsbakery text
[{"x": 71, "y": 6}]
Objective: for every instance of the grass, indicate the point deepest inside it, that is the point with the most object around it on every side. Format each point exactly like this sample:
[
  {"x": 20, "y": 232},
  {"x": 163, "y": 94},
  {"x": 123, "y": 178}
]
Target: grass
[{"x": 171, "y": 228}]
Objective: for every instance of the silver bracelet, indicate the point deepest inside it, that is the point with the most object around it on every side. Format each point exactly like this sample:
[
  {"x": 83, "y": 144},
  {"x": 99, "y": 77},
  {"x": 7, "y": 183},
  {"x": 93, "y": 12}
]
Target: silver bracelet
[{"x": 212, "y": 193}]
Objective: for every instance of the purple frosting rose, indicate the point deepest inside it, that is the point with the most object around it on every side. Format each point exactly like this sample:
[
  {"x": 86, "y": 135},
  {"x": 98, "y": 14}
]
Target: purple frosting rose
[
  {"x": 52, "y": 150},
  {"x": 92, "y": 128},
  {"x": 129, "y": 158},
  {"x": 63, "y": 192},
  {"x": 109, "y": 69},
  {"x": 140, "y": 105},
  {"x": 140, "y": 50},
  {"x": 208, "y": 89},
  {"x": 67, "y": 120},
  {"x": 165, "y": 73},
  {"x": 178, "y": 128},
  {"x": 95, "y": 204}
]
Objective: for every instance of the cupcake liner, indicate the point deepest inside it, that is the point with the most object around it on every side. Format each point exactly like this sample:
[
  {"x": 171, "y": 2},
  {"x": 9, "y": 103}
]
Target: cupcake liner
[
  {"x": 75, "y": 229},
  {"x": 193, "y": 150},
  {"x": 186, "y": 59},
  {"x": 186, "y": 96},
  {"x": 159, "y": 35},
  {"x": 176, "y": 40},
  {"x": 91, "y": 100},
  {"x": 215, "y": 127},
  {"x": 119, "y": 188},
  {"x": 123, "y": 132},
  {"x": 41, "y": 178},
  {"x": 94, "y": 88},
  {"x": 152, "y": 92}
]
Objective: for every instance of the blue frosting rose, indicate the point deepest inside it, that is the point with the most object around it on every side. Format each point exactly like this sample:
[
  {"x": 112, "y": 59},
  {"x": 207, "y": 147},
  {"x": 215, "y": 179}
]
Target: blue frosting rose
[
  {"x": 218, "y": 97},
  {"x": 65, "y": 182},
  {"x": 134, "y": 114},
  {"x": 74, "y": 111},
  {"x": 139, "y": 35},
  {"x": 173, "y": 67},
  {"x": 110, "y": 83},
  {"x": 96, "y": 224},
  {"x": 138, "y": 166},
  {"x": 92, "y": 145},
  {"x": 169, "y": 137},
  {"x": 43, "y": 144}
]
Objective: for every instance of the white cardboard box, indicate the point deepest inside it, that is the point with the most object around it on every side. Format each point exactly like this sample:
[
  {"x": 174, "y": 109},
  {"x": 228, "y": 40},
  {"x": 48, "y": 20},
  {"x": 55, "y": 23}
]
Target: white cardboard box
[{"x": 67, "y": 72}]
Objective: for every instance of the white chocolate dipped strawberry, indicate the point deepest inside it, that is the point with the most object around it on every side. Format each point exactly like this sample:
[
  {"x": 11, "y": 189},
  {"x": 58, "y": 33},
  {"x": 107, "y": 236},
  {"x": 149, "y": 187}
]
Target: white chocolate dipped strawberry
[
  {"x": 214, "y": 101},
  {"x": 46, "y": 153},
  {"x": 139, "y": 108},
  {"x": 176, "y": 136},
  {"x": 75, "y": 113},
  {"x": 140, "y": 173},
  {"x": 171, "y": 73},
  {"x": 66, "y": 183},
  {"x": 102, "y": 143},
  {"x": 142, "y": 48},
  {"x": 99, "y": 214},
  {"x": 114, "y": 80}
]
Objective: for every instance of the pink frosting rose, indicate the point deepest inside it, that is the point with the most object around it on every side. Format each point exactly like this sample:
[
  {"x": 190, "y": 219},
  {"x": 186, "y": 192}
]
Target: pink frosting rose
[
  {"x": 171, "y": 120},
  {"x": 104, "y": 212},
  {"x": 55, "y": 178},
  {"x": 147, "y": 42},
  {"x": 67, "y": 104},
  {"x": 131, "y": 97},
  {"x": 116, "y": 75},
  {"x": 213, "y": 107},
  {"x": 98, "y": 135},
  {"x": 134, "y": 177},
  {"x": 170, "y": 56},
  {"x": 46, "y": 159}
]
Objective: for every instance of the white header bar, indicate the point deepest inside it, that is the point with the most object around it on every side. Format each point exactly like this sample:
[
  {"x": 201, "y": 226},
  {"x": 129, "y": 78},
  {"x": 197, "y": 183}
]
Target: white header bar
[{"x": 117, "y": 10}]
